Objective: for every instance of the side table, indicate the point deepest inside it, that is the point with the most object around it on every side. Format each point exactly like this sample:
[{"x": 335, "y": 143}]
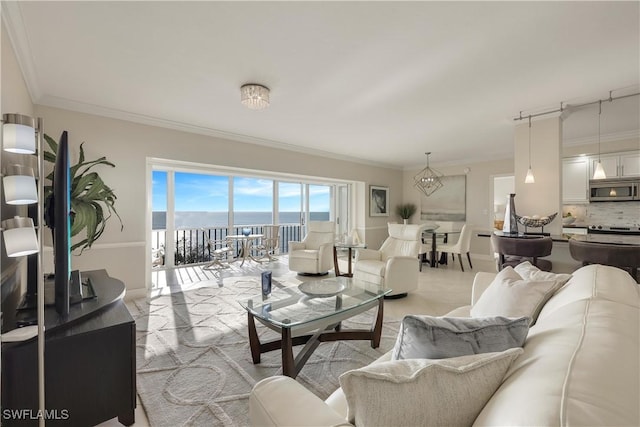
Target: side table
[{"x": 350, "y": 247}]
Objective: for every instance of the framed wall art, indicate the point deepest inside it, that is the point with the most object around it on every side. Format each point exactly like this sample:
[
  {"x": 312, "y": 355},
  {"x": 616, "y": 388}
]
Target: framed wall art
[
  {"x": 449, "y": 203},
  {"x": 378, "y": 201}
]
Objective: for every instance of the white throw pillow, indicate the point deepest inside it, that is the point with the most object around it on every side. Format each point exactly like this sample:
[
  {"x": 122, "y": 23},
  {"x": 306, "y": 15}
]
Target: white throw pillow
[
  {"x": 424, "y": 392},
  {"x": 510, "y": 295},
  {"x": 529, "y": 271}
]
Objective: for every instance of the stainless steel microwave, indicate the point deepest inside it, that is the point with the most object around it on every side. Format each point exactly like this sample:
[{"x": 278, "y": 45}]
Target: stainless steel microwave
[{"x": 613, "y": 190}]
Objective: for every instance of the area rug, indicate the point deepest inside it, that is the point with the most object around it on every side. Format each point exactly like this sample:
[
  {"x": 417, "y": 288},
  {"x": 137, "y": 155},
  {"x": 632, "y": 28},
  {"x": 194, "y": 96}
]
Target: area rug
[{"x": 194, "y": 364}]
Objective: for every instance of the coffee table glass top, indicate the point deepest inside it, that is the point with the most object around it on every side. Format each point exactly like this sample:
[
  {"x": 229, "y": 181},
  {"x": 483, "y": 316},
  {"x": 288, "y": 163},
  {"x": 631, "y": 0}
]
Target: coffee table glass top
[{"x": 313, "y": 300}]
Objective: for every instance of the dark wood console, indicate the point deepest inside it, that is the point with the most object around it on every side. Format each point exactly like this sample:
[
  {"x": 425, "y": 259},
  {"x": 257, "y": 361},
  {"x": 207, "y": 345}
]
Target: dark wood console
[{"x": 90, "y": 364}]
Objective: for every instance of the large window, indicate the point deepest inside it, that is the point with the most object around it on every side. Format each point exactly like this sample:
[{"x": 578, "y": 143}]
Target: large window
[
  {"x": 252, "y": 201},
  {"x": 190, "y": 208}
]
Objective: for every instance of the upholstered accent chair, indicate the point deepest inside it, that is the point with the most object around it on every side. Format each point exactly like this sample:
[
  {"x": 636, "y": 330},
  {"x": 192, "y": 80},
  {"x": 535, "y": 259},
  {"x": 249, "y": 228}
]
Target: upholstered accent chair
[
  {"x": 514, "y": 250},
  {"x": 462, "y": 246},
  {"x": 395, "y": 265},
  {"x": 314, "y": 254}
]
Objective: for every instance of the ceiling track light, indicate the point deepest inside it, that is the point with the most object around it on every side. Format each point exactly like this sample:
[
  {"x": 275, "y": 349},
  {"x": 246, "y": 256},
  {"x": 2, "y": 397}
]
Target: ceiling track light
[
  {"x": 254, "y": 96},
  {"x": 428, "y": 180}
]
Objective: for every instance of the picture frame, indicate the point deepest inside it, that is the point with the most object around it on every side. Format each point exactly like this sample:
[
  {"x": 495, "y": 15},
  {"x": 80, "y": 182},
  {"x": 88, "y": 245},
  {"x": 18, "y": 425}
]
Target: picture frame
[
  {"x": 448, "y": 203},
  {"x": 378, "y": 200}
]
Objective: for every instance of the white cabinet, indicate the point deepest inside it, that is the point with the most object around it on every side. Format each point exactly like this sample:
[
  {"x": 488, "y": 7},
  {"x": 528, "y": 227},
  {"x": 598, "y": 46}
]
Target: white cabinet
[
  {"x": 617, "y": 165},
  {"x": 575, "y": 180},
  {"x": 630, "y": 164}
]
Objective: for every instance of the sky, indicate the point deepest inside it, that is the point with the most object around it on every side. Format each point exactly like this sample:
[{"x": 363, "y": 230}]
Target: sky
[{"x": 210, "y": 193}]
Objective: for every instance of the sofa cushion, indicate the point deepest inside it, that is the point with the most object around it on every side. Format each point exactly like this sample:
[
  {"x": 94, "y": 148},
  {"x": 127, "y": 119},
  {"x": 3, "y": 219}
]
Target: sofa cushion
[
  {"x": 510, "y": 295},
  {"x": 528, "y": 271},
  {"x": 436, "y": 392},
  {"x": 426, "y": 337}
]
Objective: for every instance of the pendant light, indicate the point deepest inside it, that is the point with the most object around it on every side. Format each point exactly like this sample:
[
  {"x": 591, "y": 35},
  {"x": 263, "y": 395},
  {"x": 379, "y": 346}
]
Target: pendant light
[
  {"x": 529, "y": 179},
  {"x": 599, "y": 172},
  {"x": 428, "y": 180}
]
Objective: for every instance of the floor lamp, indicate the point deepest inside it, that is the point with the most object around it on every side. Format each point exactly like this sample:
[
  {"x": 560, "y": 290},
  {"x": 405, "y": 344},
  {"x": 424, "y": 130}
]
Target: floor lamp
[{"x": 22, "y": 135}]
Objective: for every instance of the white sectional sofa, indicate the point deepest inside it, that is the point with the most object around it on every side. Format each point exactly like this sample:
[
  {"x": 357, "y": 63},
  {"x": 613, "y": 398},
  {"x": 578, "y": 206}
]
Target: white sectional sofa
[{"x": 580, "y": 366}]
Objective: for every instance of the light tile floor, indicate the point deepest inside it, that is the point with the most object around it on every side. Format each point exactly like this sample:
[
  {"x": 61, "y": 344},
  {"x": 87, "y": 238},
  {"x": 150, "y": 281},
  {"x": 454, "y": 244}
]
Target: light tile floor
[{"x": 440, "y": 290}]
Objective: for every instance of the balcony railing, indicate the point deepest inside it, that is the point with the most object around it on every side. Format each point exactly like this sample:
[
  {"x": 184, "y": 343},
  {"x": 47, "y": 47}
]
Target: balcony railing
[{"x": 191, "y": 244}]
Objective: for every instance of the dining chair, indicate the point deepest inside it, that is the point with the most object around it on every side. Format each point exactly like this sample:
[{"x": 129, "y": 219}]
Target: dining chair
[
  {"x": 220, "y": 251},
  {"x": 269, "y": 244},
  {"x": 462, "y": 246}
]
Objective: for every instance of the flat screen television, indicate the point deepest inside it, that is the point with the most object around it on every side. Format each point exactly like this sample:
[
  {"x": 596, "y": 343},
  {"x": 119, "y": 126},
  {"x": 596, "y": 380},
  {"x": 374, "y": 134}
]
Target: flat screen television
[{"x": 62, "y": 225}]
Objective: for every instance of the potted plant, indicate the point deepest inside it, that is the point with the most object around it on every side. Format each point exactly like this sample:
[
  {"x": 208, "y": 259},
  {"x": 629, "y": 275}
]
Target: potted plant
[
  {"x": 405, "y": 211},
  {"x": 90, "y": 196}
]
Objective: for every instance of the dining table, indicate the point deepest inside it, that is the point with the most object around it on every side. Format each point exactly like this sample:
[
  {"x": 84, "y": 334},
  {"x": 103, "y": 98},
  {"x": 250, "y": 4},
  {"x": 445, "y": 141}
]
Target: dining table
[
  {"x": 245, "y": 245},
  {"x": 435, "y": 231}
]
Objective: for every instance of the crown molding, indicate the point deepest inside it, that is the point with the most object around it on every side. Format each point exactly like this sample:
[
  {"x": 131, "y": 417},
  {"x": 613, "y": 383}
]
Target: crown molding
[
  {"x": 616, "y": 136},
  {"x": 12, "y": 19}
]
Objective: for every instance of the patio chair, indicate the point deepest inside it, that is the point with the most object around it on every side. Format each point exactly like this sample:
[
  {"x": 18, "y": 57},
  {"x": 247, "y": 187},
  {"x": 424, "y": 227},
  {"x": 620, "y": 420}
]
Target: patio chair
[
  {"x": 269, "y": 243},
  {"x": 221, "y": 252}
]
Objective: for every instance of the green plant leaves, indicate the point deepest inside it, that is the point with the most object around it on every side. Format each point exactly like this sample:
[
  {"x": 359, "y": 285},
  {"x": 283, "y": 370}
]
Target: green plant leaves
[{"x": 90, "y": 196}]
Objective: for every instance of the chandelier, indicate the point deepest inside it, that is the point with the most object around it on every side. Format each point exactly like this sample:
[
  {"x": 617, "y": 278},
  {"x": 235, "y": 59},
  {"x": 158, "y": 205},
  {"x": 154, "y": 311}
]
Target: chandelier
[
  {"x": 254, "y": 96},
  {"x": 428, "y": 180}
]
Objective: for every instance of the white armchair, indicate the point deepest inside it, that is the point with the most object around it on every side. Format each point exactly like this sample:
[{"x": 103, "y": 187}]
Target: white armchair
[
  {"x": 314, "y": 254},
  {"x": 395, "y": 265}
]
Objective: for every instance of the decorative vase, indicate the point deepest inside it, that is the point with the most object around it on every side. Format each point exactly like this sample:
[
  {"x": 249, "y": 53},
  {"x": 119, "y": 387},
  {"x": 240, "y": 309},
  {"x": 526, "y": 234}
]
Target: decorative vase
[
  {"x": 246, "y": 231},
  {"x": 510, "y": 222},
  {"x": 405, "y": 221}
]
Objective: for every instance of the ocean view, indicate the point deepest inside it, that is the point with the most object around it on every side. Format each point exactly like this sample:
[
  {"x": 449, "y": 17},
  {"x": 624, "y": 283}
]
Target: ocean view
[{"x": 185, "y": 219}]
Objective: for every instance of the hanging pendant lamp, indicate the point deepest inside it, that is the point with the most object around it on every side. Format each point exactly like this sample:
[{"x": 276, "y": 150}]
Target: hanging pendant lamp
[
  {"x": 428, "y": 180},
  {"x": 529, "y": 179},
  {"x": 599, "y": 172}
]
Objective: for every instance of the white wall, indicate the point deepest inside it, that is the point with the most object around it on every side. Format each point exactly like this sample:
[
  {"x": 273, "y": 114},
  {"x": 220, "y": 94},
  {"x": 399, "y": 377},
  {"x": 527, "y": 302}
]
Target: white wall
[{"x": 128, "y": 145}]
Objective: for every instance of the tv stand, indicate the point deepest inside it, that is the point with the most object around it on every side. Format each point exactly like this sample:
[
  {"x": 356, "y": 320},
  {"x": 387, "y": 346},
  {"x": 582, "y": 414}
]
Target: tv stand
[{"x": 90, "y": 364}]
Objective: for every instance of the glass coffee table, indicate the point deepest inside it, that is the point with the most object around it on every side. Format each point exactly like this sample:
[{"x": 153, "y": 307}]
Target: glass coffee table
[{"x": 312, "y": 313}]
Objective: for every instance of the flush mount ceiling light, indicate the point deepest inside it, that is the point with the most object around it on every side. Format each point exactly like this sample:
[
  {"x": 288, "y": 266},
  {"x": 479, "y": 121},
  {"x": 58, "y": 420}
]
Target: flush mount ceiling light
[
  {"x": 254, "y": 96},
  {"x": 428, "y": 180}
]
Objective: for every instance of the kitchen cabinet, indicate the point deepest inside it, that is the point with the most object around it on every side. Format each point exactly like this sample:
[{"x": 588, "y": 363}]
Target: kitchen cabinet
[
  {"x": 617, "y": 165},
  {"x": 575, "y": 180}
]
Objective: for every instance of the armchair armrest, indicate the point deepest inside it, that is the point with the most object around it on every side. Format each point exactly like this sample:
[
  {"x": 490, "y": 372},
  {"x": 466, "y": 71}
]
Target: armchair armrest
[
  {"x": 296, "y": 246},
  {"x": 367, "y": 254},
  {"x": 281, "y": 401},
  {"x": 481, "y": 282}
]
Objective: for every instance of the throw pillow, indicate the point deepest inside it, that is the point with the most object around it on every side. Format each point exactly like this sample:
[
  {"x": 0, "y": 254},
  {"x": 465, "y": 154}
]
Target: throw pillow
[
  {"x": 444, "y": 392},
  {"x": 426, "y": 337},
  {"x": 529, "y": 271},
  {"x": 510, "y": 295}
]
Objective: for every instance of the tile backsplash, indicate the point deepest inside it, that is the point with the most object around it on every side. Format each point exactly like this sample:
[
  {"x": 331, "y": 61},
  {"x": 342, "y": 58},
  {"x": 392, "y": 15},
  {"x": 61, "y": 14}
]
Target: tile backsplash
[{"x": 606, "y": 213}]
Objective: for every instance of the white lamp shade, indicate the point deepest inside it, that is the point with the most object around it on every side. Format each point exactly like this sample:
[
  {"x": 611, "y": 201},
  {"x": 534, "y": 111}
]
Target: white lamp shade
[
  {"x": 18, "y": 138},
  {"x": 19, "y": 237},
  {"x": 599, "y": 172},
  {"x": 529, "y": 179},
  {"x": 20, "y": 190}
]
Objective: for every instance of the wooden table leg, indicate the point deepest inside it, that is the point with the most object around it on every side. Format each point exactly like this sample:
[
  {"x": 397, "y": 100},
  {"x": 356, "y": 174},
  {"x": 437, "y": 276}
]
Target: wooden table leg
[
  {"x": 377, "y": 329},
  {"x": 288, "y": 365},
  {"x": 335, "y": 262},
  {"x": 254, "y": 341},
  {"x": 349, "y": 263}
]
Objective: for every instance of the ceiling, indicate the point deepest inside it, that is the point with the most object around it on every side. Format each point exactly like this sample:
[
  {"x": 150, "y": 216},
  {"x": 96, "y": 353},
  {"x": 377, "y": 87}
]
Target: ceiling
[{"x": 380, "y": 82}]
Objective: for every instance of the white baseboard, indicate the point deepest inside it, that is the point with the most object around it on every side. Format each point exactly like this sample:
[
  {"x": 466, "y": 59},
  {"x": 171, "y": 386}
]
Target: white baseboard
[{"x": 132, "y": 294}]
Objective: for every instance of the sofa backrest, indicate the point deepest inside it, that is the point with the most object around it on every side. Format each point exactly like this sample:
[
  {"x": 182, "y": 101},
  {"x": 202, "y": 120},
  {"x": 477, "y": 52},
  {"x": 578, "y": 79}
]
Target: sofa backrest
[{"x": 580, "y": 360}]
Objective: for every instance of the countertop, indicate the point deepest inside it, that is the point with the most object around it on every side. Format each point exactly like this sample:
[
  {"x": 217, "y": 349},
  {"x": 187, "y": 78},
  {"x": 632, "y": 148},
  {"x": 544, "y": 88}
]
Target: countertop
[{"x": 612, "y": 239}]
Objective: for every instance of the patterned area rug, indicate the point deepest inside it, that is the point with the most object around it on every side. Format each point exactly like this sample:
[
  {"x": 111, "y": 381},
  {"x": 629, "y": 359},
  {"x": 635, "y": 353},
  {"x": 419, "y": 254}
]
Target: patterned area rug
[{"x": 193, "y": 359}]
